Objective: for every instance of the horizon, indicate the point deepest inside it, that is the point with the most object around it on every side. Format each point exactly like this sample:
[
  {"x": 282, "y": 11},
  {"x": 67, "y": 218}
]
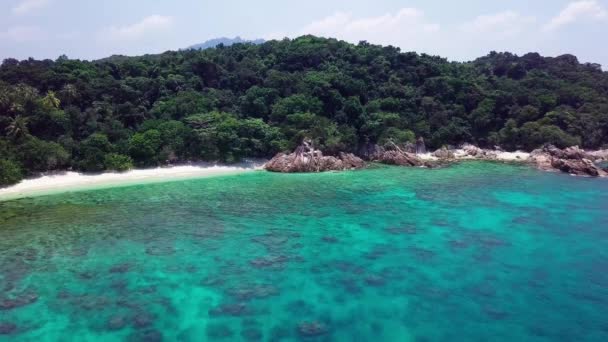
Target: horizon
[{"x": 45, "y": 29}]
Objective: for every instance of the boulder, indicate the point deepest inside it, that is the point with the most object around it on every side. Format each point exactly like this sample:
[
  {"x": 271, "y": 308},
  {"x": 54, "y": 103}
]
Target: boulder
[
  {"x": 312, "y": 329},
  {"x": 420, "y": 146},
  {"x": 599, "y": 155},
  {"x": 308, "y": 159},
  {"x": 443, "y": 153},
  {"x": 478, "y": 153},
  {"x": 572, "y": 160},
  {"x": 579, "y": 167},
  {"x": 393, "y": 157},
  {"x": 7, "y": 328},
  {"x": 391, "y": 154}
]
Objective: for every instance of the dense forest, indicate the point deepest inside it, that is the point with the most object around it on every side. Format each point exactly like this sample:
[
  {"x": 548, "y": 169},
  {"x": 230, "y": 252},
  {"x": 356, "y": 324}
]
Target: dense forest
[{"x": 249, "y": 100}]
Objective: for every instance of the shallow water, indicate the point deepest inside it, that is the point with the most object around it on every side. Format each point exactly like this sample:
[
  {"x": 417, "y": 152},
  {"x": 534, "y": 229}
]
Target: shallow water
[{"x": 474, "y": 252}]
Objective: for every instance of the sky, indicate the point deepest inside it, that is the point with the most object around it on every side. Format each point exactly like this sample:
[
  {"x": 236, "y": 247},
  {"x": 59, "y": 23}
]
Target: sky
[{"x": 458, "y": 30}]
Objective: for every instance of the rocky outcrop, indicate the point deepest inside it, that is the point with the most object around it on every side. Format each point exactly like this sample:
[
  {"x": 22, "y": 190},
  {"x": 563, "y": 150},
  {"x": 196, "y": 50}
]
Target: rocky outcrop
[
  {"x": 473, "y": 151},
  {"x": 444, "y": 153},
  {"x": 308, "y": 159},
  {"x": 420, "y": 146},
  {"x": 394, "y": 157},
  {"x": 572, "y": 160},
  {"x": 392, "y": 154}
]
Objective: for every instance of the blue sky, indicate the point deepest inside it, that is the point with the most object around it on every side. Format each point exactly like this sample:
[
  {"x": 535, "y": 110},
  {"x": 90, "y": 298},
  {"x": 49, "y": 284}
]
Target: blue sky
[{"x": 458, "y": 30}]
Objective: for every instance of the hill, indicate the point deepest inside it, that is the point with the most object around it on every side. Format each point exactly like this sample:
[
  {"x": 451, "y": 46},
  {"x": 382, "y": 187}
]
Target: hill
[
  {"x": 224, "y": 41},
  {"x": 256, "y": 100}
]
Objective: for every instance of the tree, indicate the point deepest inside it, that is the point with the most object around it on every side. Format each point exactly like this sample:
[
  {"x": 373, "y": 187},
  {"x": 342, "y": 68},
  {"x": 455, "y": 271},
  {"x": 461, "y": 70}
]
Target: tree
[
  {"x": 39, "y": 156},
  {"x": 254, "y": 100},
  {"x": 92, "y": 153},
  {"x": 118, "y": 162},
  {"x": 17, "y": 128},
  {"x": 10, "y": 172},
  {"x": 50, "y": 101},
  {"x": 145, "y": 147}
]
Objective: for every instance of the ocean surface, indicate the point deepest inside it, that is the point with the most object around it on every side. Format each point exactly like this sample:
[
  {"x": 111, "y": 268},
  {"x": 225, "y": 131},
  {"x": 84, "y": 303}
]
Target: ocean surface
[{"x": 474, "y": 252}]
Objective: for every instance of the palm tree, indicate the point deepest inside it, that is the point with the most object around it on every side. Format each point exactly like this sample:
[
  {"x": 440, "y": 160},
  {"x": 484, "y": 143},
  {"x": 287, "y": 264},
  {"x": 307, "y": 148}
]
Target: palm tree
[
  {"x": 17, "y": 128},
  {"x": 51, "y": 101},
  {"x": 70, "y": 93}
]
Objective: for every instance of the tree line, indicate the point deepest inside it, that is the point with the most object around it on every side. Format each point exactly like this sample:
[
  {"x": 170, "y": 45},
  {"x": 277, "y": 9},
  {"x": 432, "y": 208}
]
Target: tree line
[{"x": 228, "y": 103}]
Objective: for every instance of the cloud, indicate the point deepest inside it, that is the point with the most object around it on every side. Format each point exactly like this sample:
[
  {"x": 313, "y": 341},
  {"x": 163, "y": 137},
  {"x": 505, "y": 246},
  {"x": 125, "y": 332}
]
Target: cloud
[
  {"x": 148, "y": 25},
  {"x": 501, "y": 25},
  {"x": 406, "y": 24},
  {"x": 26, "y": 6},
  {"x": 22, "y": 34},
  {"x": 412, "y": 30},
  {"x": 584, "y": 9}
]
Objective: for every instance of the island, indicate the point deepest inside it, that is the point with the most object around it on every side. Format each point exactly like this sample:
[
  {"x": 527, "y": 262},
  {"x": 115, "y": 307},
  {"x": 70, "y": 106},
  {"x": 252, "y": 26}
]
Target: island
[{"x": 355, "y": 103}]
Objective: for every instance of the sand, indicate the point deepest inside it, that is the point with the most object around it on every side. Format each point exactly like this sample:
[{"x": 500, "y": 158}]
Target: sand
[{"x": 75, "y": 181}]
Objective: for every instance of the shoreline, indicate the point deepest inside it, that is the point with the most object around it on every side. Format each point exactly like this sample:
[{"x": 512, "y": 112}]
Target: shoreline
[
  {"x": 461, "y": 154},
  {"x": 71, "y": 181}
]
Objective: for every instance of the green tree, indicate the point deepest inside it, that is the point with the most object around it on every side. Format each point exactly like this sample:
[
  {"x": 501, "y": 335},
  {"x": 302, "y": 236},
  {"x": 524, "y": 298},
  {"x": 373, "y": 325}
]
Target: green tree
[
  {"x": 92, "y": 152},
  {"x": 145, "y": 147},
  {"x": 10, "y": 172},
  {"x": 118, "y": 162},
  {"x": 39, "y": 156},
  {"x": 18, "y": 128}
]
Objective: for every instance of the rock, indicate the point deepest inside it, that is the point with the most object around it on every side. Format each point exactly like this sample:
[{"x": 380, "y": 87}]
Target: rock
[
  {"x": 374, "y": 280},
  {"x": 472, "y": 150},
  {"x": 350, "y": 285},
  {"x": 392, "y": 154},
  {"x": 330, "y": 239},
  {"x": 571, "y": 160},
  {"x": 271, "y": 240},
  {"x": 86, "y": 275},
  {"x": 399, "y": 158},
  {"x": 420, "y": 146},
  {"x": 312, "y": 329},
  {"x": 143, "y": 319},
  {"x": 238, "y": 309},
  {"x": 147, "y": 336},
  {"x": 600, "y": 155},
  {"x": 90, "y": 302},
  {"x": 582, "y": 167},
  {"x": 478, "y": 153},
  {"x": 495, "y": 313},
  {"x": 116, "y": 322},
  {"x": 251, "y": 334},
  {"x": 120, "y": 268},
  {"x": 269, "y": 261},
  {"x": 160, "y": 250},
  {"x": 401, "y": 230},
  {"x": 213, "y": 281},
  {"x": 219, "y": 331},
  {"x": 7, "y": 328},
  {"x": 253, "y": 292},
  {"x": 23, "y": 299},
  {"x": 308, "y": 159},
  {"x": 444, "y": 153}
]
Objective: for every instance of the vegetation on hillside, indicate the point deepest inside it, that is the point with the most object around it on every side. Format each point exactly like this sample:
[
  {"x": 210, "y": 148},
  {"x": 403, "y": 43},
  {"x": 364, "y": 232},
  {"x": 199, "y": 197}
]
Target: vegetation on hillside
[{"x": 250, "y": 100}]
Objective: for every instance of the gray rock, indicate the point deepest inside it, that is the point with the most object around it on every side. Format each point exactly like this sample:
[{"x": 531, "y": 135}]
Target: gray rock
[
  {"x": 7, "y": 328},
  {"x": 443, "y": 153},
  {"x": 571, "y": 160},
  {"x": 308, "y": 159},
  {"x": 312, "y": 329}
]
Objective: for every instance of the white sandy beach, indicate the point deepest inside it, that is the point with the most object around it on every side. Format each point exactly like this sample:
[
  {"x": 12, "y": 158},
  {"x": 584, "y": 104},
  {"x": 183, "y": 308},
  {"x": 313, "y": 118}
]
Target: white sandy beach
[
  {"x": 74, "y": 181},
  {"x": 461, "y": 154}
]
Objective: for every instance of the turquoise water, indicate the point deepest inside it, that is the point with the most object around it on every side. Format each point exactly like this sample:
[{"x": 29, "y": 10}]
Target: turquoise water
[{"x": 474, "y": 252}]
